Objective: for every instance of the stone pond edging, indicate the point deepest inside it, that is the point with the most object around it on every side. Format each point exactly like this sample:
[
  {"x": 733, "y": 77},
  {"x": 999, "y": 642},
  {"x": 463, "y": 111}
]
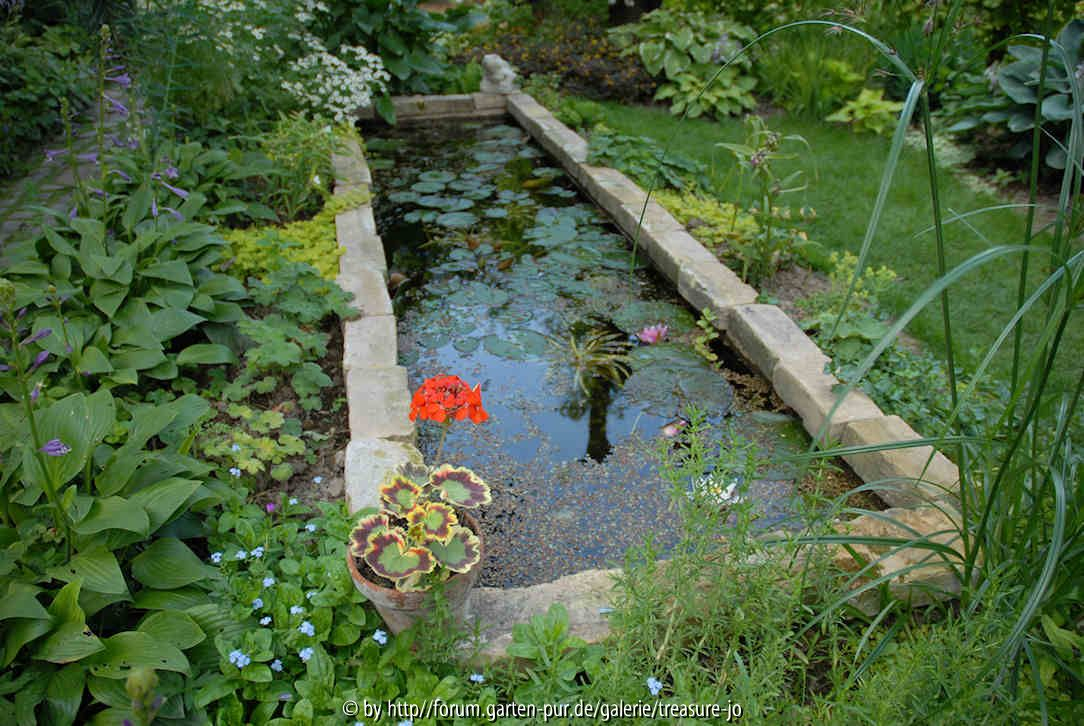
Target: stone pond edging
[{"x": 378, "y": 397}]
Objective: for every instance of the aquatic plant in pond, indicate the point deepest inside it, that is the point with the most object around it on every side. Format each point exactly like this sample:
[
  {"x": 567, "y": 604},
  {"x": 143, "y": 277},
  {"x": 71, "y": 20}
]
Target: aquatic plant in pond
[{"x": 519, "y": 286}]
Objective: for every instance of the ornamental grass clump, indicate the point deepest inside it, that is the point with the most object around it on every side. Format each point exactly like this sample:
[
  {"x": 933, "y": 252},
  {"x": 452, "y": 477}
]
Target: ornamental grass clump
[{"x": 416, "y": 540}]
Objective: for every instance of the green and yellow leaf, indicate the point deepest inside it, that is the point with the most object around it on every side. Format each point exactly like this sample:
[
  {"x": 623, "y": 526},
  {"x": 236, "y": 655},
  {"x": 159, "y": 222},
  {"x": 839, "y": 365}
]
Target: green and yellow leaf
[
  {"x": 461, "y": 552},
  {"x": 399, "y": 494},
  {"x": 389, "y": 556},
  {"x": 460, "y": 486}
]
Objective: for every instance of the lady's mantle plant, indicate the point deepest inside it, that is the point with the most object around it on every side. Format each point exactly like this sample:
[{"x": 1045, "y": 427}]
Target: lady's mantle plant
[{"x": 416, "y": 540}]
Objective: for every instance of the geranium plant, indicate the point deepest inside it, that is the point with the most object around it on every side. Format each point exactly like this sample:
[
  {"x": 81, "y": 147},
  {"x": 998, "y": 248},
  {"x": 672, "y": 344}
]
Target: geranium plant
[
  {"x": 444, "y": 399},
  {"x": 416, "y": 539}
]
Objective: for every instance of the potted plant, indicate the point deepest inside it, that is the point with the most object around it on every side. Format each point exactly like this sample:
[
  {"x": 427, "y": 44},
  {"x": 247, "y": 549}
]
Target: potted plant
[{"x": 423, "y": 535}]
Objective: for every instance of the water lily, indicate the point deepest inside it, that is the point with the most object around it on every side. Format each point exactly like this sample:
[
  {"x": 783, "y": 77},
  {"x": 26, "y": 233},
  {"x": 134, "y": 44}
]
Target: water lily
[{"x": 653, "y": 333}]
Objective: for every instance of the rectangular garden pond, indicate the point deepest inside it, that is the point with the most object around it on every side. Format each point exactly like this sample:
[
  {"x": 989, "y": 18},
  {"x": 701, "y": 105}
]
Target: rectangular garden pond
[{"x": 588, "y": 360}]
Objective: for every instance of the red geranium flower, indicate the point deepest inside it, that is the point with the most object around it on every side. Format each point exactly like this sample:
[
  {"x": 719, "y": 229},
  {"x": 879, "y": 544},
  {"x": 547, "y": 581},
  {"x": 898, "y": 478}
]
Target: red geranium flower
[{"x": 442, "y": 397}]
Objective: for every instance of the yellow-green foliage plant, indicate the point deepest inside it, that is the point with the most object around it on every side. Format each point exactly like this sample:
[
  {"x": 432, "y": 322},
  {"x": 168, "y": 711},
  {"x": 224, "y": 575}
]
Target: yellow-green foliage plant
[
  {"x": 256, "y": 251},
  {"x": 718, "y": 225}
]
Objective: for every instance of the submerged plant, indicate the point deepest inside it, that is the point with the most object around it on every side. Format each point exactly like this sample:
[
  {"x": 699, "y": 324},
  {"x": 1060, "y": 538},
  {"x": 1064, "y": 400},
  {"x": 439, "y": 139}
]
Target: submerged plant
[
  {"x": 598, "y": 354},
  {"x": 416, "y": 539}
]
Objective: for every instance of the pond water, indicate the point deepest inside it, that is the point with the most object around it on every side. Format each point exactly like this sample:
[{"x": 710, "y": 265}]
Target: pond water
[{"x": 512, "y": 280}]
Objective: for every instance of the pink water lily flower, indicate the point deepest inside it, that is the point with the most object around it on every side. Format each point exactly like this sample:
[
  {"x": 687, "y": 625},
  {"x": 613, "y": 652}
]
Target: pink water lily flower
[{"x": 653, "y": 333}]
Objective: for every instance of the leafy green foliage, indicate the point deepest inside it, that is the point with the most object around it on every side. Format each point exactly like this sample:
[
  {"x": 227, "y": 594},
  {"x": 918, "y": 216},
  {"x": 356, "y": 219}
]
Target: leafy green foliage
[
  {"x": 687, "y": 49},
  {"x": 644, "y": 160},
  {"x": 1010, "y": 97},
  {"x": 36, "y": 71},
  {"x": 301, "y": 149},
  {"x": 258, "y": 251},
  {"x": 809, "y": 72},
  {"x": 869, "y": 112}
]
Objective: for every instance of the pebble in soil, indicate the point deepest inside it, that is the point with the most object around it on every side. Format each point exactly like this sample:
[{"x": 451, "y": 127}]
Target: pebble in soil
[{"x": 512, "y": 280}]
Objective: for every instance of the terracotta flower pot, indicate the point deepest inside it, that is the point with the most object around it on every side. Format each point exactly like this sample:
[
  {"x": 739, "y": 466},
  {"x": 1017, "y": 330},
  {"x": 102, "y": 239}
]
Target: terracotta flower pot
[{"x": 399, "y": 609}]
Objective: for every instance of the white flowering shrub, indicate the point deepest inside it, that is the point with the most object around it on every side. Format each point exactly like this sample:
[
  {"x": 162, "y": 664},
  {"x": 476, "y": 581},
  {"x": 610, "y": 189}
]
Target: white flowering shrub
[{"x": 269, "y": 50}]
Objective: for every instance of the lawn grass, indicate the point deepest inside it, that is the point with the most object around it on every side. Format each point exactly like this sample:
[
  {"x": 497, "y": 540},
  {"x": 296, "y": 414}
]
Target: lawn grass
[{"x": 849, "y": 168}]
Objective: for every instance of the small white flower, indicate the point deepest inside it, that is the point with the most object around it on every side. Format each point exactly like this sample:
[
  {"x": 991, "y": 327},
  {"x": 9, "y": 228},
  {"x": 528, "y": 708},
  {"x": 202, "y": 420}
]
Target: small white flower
[
  {"x": 318, "y": 480},
  {"x": 235, "y": 471},
  {"x": 256, "y": 553},
  {"x": 310, "y": 527},
  {"x": 316, "y": 183},
  {"x": 265, "y": 620},
  {"x": 216, "y": 557},
  {"x": 296, "y": 610},
  {"x": 477, "y": 678},
  {"x": 306, "y": 628},
  {"x": 304, "y": 654},
  {"x": 257, "y": 604},
  {"x": 241, "y": 554},
  {"x": 268, "y": 581},
  {"x": 381, "y": 637},
  {"x": 276, "y": 665},
  {"x": 310, "y": 594},
  {"x": 293, "y": 501}
]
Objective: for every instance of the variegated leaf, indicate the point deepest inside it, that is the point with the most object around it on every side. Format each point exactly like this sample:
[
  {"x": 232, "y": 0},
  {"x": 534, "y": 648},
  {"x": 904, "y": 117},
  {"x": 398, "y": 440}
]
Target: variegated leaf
[
  {"x": 460, "y": 486},
  {"x": 365, "y": 528},
  {"x": 389, "y": 556},
  {"x": 399, "y": 494},
  {"x": 434, "y": 521},
  {"x": 461, "y": 552}
]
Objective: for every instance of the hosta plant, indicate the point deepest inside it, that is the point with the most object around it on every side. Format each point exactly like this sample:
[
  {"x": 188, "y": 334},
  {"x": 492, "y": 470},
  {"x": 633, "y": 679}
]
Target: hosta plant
[{"x": 417, "y": 539}]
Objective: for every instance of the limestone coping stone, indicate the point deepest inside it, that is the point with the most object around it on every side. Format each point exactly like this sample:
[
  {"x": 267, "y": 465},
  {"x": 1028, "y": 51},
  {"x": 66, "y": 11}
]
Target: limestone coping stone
[
  {"x": 368, "y": 462},
  {"x": 910, "y": 480},
  {"x": 586, "y": 595},
  {"x": 764, "y": 335},
  {"x": 368, "y": 286},
  {"x": 714, "y": 287},
  {"x": 804, "y": 386},
  {"x": 351, "y": 169},
  {"x": 369, "y": 342},
  {"x": 379, "y": 403},
  {"x": 931, "y": 579},
  {"x": 355, "y": 230},
  {"x": 451, "y": 106}
]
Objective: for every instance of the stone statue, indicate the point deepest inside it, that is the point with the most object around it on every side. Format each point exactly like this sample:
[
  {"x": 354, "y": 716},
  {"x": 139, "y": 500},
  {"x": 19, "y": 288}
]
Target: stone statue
[{"x": 499, "y": 76}]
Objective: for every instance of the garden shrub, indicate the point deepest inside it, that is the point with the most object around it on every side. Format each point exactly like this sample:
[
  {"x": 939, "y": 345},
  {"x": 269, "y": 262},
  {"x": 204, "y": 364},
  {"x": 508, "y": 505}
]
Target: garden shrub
[
  {"x": 260, "y": 250},
  {"x": 644, "y": 160},
  {"x": 301, "y": 150},
  {"x": 587, "y": 62},
  {"x": 36, "y": 72},
  {"x": 718, "y": 225},
  {"x": 869, "y": 112},
  {"x": 686, "y": 50}
]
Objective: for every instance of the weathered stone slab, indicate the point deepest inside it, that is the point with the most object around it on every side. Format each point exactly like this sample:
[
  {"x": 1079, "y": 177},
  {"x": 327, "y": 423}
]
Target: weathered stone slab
[
  {"x": 713, "y": 286},
  {"x": 351, "y": 170},
  {"x": 368, "y": 462},
  {"x": 586, "y": 595},
  {"x": 368, "y": 286},
  {"x": 369, "y": 342},
  {"x": 420, "y": 108},
  {"x": 379, "y": 403},
  {"x": 522, "y": 106},
  {"x": 804, "y": 386},
  {"x": 764, "y": 334},
  {"x": 355, "y": 230},
  {"x": 917, "y": 483},
  {"x": 489, "y": 102},
  {"x": 931, "y": 579}
]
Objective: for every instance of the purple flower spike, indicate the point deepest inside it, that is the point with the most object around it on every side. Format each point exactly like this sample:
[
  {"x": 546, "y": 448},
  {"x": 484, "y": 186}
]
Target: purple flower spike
[
  {"x": 35, "y": 393},
  {"x": 121, "y": 174},
  {"x": 171, "y": 172},
  {"x": 51, "y": 154},
  {"x": 174, "y": 213},
  {"x": 4, "y": 367},
  {"x": 39, "y": 359},
  {"x": 179, "y": 192},
  {"x": 71, "y": 214},
  {"x": 43, "y": 333},
  {"x": 132, "y": 143},
  {"x": 154, "y": 208},
  {"x": 98, "y": 192},
  {"x": 123, "y": 80},
  {"x": 21, "y": 313},
  {"x": 55, "y": 447},
  {"x": 117, "y": 105}
]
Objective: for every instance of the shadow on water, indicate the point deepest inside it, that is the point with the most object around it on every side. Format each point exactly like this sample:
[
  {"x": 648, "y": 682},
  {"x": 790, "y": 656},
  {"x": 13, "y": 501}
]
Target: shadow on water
[{"x": 508, "y": 278}]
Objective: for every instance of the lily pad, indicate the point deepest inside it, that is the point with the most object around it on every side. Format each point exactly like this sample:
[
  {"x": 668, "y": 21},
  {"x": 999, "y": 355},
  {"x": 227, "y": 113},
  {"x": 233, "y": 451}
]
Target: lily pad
[
  {"x": 467, "y": 345},
  {"x": 503, "y": 347},
  {"x": 638, "y": 315},
  {"x": 496, "y": 213},
  {"x": 403, "y": 197},
  {"x": 425, "y": 187},
  {"x": 456, "y": 220},
  {"x": 436, "y": 176}
]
